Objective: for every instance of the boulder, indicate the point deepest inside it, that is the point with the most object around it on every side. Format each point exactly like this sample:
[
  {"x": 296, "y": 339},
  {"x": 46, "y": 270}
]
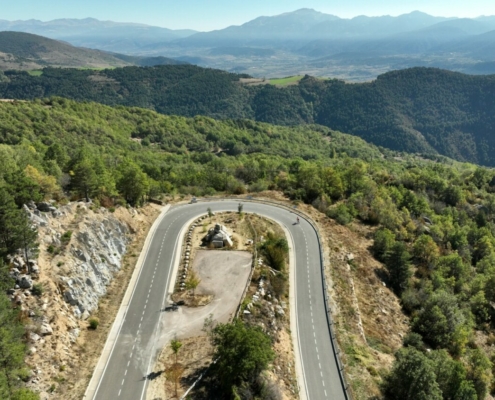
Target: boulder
[
  {"x": 280, "y": 310},
  {"x": 34, "y": 337},
  {"x": 74, "y": 334},
  {"x": 46, "y": 329},
  {"x": 69, "y": 298},
  {"x": 24, "y": 281},
  {"x": 45, "y": 207}
]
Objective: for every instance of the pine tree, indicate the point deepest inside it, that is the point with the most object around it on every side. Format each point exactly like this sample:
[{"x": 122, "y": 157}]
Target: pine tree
[{"x": 398, "y": 267}]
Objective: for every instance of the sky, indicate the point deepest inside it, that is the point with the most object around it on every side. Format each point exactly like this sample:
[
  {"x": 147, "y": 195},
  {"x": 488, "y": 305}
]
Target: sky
[{"x": 206, "y": 15}]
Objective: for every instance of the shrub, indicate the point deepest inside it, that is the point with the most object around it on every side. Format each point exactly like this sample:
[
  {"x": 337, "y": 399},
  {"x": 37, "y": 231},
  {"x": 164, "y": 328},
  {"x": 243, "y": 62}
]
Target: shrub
[
  {"x": 66, "y": 237},
  {"x": 37, "y": 289},
  {"x": 93, "y": 323},
  {"x": 341, "y": 214},
  {"x": 279, "y": 284},
  {"x": 51, "y": 249}
]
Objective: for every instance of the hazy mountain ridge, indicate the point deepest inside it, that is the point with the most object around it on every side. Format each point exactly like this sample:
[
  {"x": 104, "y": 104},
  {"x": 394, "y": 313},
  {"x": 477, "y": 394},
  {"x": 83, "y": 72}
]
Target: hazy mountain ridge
[
  {"x": 294, "y": 43},
  {"x": 26, "y": 51},
  {"x": 93, "y": 33}
]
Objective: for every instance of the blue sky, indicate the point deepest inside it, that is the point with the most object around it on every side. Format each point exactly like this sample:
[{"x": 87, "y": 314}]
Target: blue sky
[{"x": 217, "y": 14}]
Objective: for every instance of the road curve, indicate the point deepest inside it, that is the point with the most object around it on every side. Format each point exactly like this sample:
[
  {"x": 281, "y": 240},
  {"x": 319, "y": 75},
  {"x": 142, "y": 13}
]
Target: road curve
[{"x": 135, "y": 349}]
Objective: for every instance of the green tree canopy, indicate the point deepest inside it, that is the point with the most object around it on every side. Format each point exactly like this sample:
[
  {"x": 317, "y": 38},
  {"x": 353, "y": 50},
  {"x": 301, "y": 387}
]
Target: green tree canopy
[{"x": 242, "y": 353}]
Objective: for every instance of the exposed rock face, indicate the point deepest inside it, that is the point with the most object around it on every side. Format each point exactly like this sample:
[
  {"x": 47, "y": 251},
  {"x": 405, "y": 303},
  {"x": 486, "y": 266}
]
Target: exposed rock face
[
  {"x": 97, "y": 249},
  {"x": 91, "y": 256},
  {"x": 81, "y": 250}
]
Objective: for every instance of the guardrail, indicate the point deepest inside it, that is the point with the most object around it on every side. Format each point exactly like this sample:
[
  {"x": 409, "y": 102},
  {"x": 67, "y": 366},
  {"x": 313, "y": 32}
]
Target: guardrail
[{"x": 335, "y": 345}]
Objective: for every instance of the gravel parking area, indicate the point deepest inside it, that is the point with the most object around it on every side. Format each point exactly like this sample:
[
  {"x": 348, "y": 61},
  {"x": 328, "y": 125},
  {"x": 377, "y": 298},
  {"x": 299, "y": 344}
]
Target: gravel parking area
[{"x": 223, "y": 275}]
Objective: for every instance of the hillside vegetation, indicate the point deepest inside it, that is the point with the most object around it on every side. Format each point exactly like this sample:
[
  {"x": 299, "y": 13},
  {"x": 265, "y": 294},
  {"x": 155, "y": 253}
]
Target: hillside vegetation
[
  {"x": 432, "y": 220},
  {"x": 416, "y": 110}
]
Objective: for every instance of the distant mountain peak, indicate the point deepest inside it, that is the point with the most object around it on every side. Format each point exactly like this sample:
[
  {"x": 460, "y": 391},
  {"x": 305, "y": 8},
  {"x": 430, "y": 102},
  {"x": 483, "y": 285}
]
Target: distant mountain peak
[{"x": 304, "y": 11}]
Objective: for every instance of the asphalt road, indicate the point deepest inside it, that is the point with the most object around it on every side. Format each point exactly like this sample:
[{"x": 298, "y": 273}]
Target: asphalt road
[{"x": 136, "y": 347}]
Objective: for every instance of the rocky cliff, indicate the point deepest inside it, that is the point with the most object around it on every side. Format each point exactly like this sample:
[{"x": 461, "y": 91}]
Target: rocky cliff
[{"x": 82, "y": 249}]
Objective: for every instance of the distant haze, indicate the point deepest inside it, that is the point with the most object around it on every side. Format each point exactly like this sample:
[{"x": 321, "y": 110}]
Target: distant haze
[{"x": 206, "y": 15}]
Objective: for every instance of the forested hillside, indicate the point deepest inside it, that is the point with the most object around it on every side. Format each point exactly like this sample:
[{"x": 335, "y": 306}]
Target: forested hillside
[
  {"x": 416, "y": 110},
  {"x": 433, "y": 220}
]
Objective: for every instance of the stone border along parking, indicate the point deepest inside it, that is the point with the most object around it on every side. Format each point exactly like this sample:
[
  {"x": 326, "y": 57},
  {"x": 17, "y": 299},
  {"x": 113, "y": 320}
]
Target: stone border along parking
[
  {"x": 101, "y": 366},
  {"x": 255, "y": 259}
]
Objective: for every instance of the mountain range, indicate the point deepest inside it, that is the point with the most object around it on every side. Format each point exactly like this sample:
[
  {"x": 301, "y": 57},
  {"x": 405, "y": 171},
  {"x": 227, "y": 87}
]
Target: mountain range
[
  {"x": 103, "y": 35},
  {"x": 293, "y": 43}
]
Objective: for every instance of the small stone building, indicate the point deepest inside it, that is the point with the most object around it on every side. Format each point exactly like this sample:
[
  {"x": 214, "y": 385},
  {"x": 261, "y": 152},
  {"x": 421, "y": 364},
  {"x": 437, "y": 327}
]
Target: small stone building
[{"x": 218, "y": 237}]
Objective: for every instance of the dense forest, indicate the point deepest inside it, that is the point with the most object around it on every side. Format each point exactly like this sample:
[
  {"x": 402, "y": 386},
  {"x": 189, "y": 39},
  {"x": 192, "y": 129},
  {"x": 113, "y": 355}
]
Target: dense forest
[
  {"x": 421, "y": 110},
  {"x": 433, "y": 218}
]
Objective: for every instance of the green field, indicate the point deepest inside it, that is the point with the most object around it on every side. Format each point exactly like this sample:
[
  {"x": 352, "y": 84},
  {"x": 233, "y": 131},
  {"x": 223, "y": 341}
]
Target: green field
[
  {"x": 96, "y": 68},
  {"x": 35, "y": 72},
  {"x": 290, "y": 80}
]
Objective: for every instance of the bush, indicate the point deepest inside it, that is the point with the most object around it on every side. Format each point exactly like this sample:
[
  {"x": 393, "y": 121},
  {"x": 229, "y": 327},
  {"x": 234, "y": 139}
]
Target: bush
[
  {"x": 413, "y": 339},
  {"x": 341, "y": 214},
  {"x": 51, "y": 249},
  {"x": 37, "y": 289},
  {"x": 66, "y": 237},
  {"x": 279, "y": 284},
  {"x": 93, "y": 323}
]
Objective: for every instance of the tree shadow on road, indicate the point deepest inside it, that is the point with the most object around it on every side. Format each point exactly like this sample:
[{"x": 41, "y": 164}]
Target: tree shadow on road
[{"x": 152, "y": 376}]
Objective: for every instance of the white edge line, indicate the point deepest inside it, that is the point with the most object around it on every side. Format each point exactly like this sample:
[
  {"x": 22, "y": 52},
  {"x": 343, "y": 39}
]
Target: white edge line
[{"x": 101, "y": 367}]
